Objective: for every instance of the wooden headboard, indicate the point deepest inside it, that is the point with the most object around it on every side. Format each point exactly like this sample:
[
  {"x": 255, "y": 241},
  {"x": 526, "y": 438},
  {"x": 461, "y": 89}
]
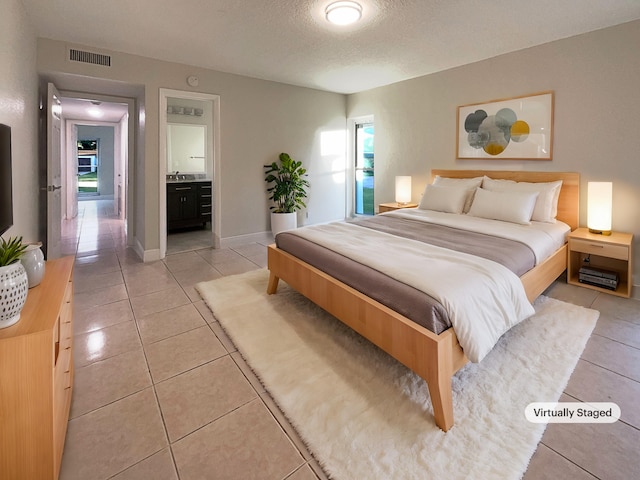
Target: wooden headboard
[{"x": 568, "y": 203}]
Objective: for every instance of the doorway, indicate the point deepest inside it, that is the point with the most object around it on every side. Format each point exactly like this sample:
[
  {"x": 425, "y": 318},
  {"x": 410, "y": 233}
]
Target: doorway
[
  {"x": 78, "y": 102},
  {"x": 189, "y": 151},
  {"x": 364, "y": 169},
  {"x": 96, "y": 155},
  {"x": 87, "y": 165},
  {"x": 360, "y": 187}
]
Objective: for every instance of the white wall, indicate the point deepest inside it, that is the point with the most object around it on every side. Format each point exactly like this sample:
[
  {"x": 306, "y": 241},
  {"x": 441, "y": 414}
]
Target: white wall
[
  {"x": 595, "y": 80},
  {"x": 19, "y": 110}
]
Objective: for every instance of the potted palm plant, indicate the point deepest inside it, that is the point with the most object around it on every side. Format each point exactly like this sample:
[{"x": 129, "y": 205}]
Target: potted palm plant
[
  {"x": 287, "y": 191},
  {"x": 14, "y": 283}
]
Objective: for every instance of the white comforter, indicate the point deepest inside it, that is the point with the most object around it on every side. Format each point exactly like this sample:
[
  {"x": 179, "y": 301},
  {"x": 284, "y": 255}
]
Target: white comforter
[{"x": 482, "y": 298}]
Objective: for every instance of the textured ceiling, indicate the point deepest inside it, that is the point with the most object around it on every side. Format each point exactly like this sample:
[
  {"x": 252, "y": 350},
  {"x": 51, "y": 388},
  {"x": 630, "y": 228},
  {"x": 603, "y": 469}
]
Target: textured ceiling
[{"x": 290, "y": 41}]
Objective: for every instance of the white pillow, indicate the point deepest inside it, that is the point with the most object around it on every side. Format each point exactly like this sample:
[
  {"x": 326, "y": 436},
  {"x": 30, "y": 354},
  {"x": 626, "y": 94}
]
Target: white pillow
[
  {"x": 515, "y": 207},
  {"x": 546, "y": 208},
  {"x": 470, "y": 183},
  {"x": 444, "y": 199}
]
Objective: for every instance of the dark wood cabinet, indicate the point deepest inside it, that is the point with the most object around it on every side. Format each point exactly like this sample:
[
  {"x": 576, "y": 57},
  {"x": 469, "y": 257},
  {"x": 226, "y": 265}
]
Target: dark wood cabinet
[
  {"x": 205, "y": 201},
  {"x": 189, "y": 204}
]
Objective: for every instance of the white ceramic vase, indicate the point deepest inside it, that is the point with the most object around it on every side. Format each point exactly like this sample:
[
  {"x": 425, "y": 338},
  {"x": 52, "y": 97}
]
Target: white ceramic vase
[
  {"x": 33, "y": 262},
  {"x": 14, "y": 286}
]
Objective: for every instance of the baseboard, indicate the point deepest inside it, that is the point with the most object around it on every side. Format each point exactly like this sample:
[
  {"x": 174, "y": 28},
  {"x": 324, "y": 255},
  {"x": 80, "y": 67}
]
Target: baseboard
[
  {"x": 264, "y": 238},
  {"x": 146, "y": 255},
  {"x": 151, "y": 255}
]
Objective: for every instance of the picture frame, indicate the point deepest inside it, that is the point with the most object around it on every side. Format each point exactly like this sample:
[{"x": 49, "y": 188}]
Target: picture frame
[{"x": 517, "y": 128}]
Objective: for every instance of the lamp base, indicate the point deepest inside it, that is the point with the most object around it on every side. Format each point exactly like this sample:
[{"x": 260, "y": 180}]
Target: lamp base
[{"x": 600, "y": 232}]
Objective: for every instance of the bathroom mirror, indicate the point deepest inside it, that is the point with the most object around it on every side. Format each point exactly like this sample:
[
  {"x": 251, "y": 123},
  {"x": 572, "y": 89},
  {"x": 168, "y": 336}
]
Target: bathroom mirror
[{"x": 186, "y": 148}]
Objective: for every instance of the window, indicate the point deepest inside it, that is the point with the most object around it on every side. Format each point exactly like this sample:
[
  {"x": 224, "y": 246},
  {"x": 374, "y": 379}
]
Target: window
[
  {"x": 87, "y": 164},
  {"x": 364, "y": 169}
]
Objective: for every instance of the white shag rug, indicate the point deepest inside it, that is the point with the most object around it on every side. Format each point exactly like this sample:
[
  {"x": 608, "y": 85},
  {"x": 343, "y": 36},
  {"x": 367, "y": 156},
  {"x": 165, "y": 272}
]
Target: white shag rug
[{"x": 364, "y": 415}]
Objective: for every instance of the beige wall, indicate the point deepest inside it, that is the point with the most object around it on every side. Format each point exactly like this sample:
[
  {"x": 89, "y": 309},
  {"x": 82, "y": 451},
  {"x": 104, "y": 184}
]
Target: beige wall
[
  {"x": 259, "y": 119},
  {"x": 19, "y": 110},
  {"x": 595, "y": 80}
]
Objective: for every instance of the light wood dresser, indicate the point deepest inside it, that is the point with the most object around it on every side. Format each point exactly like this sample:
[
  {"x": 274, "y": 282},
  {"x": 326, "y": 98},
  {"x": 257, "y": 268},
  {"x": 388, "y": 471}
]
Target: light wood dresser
[{"x": 36, "y": 378}]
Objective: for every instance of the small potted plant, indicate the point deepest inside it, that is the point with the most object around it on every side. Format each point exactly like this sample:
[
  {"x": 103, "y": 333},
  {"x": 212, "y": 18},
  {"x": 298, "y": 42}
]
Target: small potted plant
[
  {"x": 14, "y": 284},
  {"x": 287, "y": 190}
]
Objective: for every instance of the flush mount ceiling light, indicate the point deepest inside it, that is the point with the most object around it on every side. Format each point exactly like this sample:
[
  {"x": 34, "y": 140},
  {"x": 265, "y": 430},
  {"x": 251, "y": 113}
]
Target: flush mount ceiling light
[
  {"x": 95, "y": 112},
  {"x": 343, "y": 13}
]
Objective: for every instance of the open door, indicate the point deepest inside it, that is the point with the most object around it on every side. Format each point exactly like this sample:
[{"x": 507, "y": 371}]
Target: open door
[
  {"x": 51, "y": 178},
  {"x": 120, "y": 168},
  {"x": 71, "y": 171}
]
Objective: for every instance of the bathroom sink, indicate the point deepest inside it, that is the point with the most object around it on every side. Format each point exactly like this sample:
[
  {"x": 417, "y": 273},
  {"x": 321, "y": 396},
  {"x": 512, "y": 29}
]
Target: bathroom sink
[
  {"x": 181, "y": 178},
  {"x": 186, "y": 177}
]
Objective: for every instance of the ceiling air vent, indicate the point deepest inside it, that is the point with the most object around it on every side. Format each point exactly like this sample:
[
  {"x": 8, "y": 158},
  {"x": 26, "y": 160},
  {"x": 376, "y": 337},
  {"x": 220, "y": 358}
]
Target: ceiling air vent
[{"x": 89, "y": 57}]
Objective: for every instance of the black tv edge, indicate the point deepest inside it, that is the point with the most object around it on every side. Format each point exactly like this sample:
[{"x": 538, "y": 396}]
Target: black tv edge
[{"x": 6, "y": 191}]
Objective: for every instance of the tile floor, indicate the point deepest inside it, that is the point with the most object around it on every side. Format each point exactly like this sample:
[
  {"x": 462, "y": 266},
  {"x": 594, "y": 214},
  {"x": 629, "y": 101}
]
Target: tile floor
[{"x": 161, "y": 393}]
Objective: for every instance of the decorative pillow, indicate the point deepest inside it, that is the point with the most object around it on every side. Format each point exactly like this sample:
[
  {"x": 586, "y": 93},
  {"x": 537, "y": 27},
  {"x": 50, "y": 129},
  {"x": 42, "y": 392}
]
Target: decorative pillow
[
  {"x": 469, "y": 183},
  {"x": 546, "y": 208},
  {"x": 444, "y": 199},
  {"x": 515, "y": 207}
]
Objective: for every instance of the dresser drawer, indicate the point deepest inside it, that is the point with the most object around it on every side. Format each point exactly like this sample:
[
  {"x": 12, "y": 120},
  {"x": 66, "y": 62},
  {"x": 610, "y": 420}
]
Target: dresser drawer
[
  {"x": 180, "y": 187},
  {"x": 62, "y": 378},
  {"x": 62, "y": 373},
  {"x": 62, "y": 388},
  {"x": 66, "y": 338},
  {"x": 620, "y": 252}
]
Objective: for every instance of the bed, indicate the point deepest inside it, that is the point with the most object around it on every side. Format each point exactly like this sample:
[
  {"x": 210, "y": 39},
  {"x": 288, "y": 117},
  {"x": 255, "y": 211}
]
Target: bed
[{"x": 433, "y": 356}]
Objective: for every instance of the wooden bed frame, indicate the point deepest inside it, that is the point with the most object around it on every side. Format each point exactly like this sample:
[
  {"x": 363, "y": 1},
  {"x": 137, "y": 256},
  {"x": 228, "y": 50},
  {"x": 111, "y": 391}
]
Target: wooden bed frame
[{"x": 435, "y": 358}]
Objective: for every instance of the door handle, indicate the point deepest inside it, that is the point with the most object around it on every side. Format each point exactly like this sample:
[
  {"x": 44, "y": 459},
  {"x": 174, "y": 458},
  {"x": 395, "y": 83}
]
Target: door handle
[{"x": 53, "y": 188}]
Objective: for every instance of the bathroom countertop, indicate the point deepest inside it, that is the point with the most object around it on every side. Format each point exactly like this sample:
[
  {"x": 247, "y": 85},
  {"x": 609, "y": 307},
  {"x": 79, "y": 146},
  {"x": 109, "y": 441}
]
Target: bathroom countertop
[{"x": 189, "y": 178}]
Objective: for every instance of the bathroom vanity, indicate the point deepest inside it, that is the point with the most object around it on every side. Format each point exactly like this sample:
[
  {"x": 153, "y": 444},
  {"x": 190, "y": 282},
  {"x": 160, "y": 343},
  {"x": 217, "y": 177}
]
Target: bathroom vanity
[{"x": 188, "y": 203}]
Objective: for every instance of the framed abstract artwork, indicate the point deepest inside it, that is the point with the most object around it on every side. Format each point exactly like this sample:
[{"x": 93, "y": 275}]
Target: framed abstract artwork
[{"x": 515, "y": 128}]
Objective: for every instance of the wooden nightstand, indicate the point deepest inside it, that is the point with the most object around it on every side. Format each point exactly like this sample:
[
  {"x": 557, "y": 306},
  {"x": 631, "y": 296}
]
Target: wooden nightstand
[
  {"x": 388, "y": 207},
  {"x": 612, "y": 253}
]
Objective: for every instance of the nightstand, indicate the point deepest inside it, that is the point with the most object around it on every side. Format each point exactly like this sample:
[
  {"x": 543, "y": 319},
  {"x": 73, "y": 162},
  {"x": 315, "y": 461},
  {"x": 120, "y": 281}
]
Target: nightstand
[
  {"x": 611, "y": 253},
  {"x": 388, "y": 207}
]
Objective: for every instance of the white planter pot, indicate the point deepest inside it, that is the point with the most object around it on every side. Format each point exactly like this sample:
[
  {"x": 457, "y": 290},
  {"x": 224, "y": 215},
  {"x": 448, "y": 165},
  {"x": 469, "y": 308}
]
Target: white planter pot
[
  {"x": 14, "y": 287},
  {"x": 33, "y": 262},
  {"x": 283, "y": 221}
]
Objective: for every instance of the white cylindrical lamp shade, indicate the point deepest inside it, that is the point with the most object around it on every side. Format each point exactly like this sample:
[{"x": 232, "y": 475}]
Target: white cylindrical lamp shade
[
  {"x": 599, "y": 206},
  {"x": 403, "y": 189}
]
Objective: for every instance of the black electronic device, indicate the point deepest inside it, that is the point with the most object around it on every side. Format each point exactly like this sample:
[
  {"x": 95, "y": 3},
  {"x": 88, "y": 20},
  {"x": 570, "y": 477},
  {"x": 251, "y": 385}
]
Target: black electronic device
[
  {"x": 6, "y": 191},
  {"x": 599, "y": 278}
]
